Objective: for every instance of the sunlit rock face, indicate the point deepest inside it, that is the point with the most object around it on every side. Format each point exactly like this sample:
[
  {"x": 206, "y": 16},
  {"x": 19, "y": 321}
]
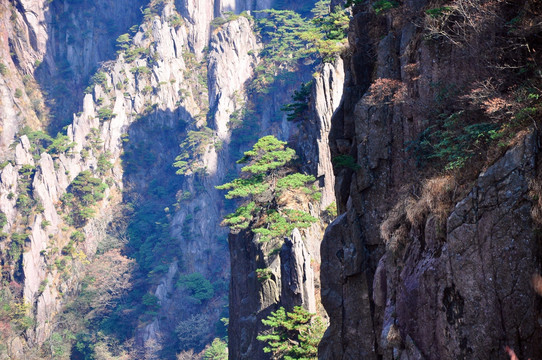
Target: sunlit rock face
[{"x": 188, "y": 76}]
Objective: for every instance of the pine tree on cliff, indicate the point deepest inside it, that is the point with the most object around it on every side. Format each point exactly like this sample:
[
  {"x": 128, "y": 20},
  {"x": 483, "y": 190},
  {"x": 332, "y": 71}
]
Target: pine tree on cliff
[
  {"x": 294, "y": 335},
  {"x": 264, "y": 181}
]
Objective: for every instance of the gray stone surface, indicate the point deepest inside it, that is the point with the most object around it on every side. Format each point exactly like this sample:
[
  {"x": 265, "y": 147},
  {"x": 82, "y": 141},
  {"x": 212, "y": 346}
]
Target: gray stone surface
[{"x": 456, "y": 290}]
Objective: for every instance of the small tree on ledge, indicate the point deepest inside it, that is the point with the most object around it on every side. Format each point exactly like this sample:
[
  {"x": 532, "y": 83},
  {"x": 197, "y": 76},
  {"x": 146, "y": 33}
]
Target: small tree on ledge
[
  {"x": 293, "y": 335},
  {"x": 264, "y": 180}
]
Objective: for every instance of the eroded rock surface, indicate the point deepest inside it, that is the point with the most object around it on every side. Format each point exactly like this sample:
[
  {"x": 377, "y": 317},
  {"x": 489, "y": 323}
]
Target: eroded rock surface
[{"x": 457, "y": 288}]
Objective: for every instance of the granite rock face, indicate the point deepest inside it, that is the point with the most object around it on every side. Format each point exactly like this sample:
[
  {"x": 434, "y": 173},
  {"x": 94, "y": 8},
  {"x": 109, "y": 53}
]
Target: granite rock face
[
  {"x": 459, "y": 297},
  {"x": 184, "y": 73},
  {"x": 231, "y": 65},
  {"x": 290, "y": 283},
  {"x": 126, "y": 93},
  {"x": 458, "y": 286},
  {"x": 294, "y": 272}
]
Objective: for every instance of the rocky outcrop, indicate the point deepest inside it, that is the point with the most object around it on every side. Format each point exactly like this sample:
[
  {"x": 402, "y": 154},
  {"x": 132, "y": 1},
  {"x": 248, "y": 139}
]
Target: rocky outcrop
[
  {"x": 124, "y": 93},
  {"x": 297, "y": 274},
  {"x": 453, "y": 283},
  {"x": 326, "y": 97},
  {"x": 201, "y": 241},
  {"x": 470, "y": 290},
  {"x": 176, "y": 75},
  {"x": 231, "y": 65},
  {"x": 200, "y": 13},
  {"x": 290, "y": 282},
  {"x": 290, "y": 277}
]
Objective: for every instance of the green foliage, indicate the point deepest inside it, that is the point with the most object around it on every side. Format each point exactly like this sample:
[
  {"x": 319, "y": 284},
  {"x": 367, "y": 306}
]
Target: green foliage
[
  {"x": 45, "y": 223},
  {"x": 104, "y": 164},
  {"x": 77, "y": 236},
  {"x": 253, "y": 185},
  {"x": 381, "y": 6},
  {"x": 14, "y": 312},
  {"x": 263, "y": 274},
  {"x": 38, "y": 139},
  {"x": 266, "y": 174},
  {"x": 57, "y": 346},
  {"x": 288, "y": 38},
  {"x": 149, "y": 233},
  {"x": 83, "y": 193},
  {"x": 175, "y": 21},
  {"x": 334, "y": 24},
  {"x": 87, "y": 188},
  {"x": 150, "y": 301},
  {"x": 281, "y": 31},
  {"x": 43, "y": 284},
  {"x": 199, "y": 288},
  {"x": 218, "y": 21},
  {"x": 69, "y": 249},
  {"x": 331, "y": 210},
  {"x": 134, "y": 52},
  {"x": 84, "y": 347},
  {"x": 267, "y": 154},
  {"x": 124, "y": 41},
  {"x": 329, "y": 36},
  {"x": 61, "y": 263},
  {"x": 345, "y": 161},
  {"x": 217, "y": 351},
  {"x": 3, "y": 69},
  {"x": 451, "y": 141},
  {"x": 154, "y": 8},
  {"x": 242, "y": 216},
  {"x": 25, "y": 202},
  {"x": 105, "y": 114},
  {"x": 3, "y": 222},
  {"x": 297, "y": 109},
  {"x": 100, "y": 78},
  {"x": 294, "y": 181},
  {"x": 280, "y": 225},
  {"x": 227, "y": 17},
  {"x": 41, "y": 142},
  {"x": 61, "y": 144},
  {"x": 16, "y": 247},
  {"x": 192, "y": 146},
  {"x": 27, "y": 172},
  {"x": 147, "y": 89},
  {"x": 294, "y": 335},
  {"x": 140, "y": 70}
]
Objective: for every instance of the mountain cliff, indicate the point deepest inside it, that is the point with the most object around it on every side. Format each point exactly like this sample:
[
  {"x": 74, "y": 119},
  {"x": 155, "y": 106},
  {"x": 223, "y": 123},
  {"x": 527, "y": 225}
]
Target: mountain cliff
[
  {"x": 437, "y": 241},
  {"x": 102, "y": 197},
  {"x": 419, "y": 134}
]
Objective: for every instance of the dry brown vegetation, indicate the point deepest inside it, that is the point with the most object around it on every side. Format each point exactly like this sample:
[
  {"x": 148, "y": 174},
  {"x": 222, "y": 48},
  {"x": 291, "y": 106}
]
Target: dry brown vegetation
[
  {"x": 411, "y": 211},
  {"x": 385, "y": 92}
]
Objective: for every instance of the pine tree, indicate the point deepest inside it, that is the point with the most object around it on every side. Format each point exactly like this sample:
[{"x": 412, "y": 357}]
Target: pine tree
[
  {"x": 267, "y": 173},
  {"x": 294, "y": 335}
]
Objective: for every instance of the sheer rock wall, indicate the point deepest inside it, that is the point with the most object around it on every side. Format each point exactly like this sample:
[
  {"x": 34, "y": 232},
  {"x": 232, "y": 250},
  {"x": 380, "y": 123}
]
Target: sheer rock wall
[
  {"x": 457, "y": 289},
  {"x": 295, "y": 275}
]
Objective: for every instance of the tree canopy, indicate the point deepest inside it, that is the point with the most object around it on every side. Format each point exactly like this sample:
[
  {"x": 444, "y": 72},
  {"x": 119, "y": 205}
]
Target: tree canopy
[
  {"x": 293, "y": 335},
  {"x": 268, "y": 171}
]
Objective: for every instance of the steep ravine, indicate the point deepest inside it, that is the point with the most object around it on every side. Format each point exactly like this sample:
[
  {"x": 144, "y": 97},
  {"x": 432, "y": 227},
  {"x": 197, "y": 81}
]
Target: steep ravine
[{"x": 174, "y": 77}]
